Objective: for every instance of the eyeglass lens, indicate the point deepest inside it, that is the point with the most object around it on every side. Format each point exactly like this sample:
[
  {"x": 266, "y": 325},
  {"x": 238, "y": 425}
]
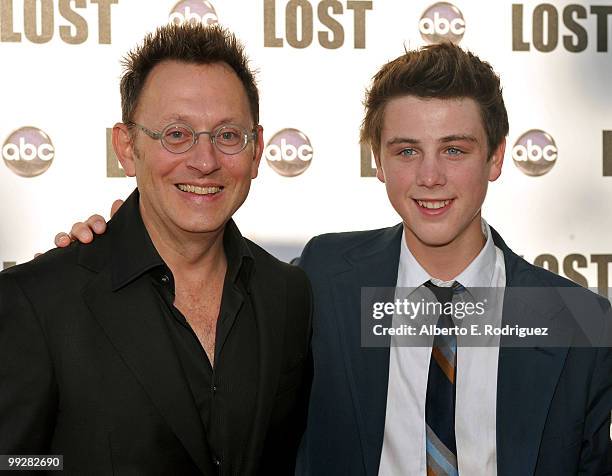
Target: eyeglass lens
[{"x": 181, "y": 137}]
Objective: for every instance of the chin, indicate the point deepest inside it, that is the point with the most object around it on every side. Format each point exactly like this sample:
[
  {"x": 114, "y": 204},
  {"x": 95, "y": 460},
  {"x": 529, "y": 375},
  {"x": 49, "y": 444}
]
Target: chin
[
  {"x": 197, "y": 225},
  {"x": 433, "y": 238},
  {"x": 204, "y": 227},
  {"x": 435, "y": 242}
]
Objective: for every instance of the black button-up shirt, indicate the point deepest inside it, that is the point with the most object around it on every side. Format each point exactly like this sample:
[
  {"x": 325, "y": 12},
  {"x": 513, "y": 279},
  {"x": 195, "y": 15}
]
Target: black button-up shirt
[{"x": 225, "y": 394}]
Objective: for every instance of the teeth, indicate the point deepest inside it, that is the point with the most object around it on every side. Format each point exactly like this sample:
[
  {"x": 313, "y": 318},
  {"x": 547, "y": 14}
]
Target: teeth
[
  {"x": 198, "y": 190},
  {"x": 433, "y": 205}
]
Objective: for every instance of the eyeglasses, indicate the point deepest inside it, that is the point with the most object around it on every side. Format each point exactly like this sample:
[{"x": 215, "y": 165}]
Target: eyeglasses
[{"x": 179, "y": 137}]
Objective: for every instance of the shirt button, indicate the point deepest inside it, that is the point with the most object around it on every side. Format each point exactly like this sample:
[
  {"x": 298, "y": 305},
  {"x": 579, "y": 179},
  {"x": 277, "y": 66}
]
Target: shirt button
[
  {"x": 214, "y": 388},
  {"x": 217, "y": 462},
  {"x": 165, "y": 279}
]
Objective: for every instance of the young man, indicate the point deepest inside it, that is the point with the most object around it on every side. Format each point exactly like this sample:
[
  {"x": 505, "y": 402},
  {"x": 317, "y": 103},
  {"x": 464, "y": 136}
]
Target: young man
[
  {"x": 436, "y": 122},
  {"x": 171, "y": 345}
]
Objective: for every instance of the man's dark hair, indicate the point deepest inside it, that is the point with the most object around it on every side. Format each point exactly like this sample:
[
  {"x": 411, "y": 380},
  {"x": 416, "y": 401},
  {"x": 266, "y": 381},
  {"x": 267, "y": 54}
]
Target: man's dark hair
[
  {"x": 190, "y": 43},
  {"x": 442, "y": 71}
]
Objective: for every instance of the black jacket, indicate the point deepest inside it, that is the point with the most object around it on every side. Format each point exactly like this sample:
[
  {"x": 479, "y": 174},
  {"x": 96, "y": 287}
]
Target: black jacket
[{"x": 88, "y": 369}]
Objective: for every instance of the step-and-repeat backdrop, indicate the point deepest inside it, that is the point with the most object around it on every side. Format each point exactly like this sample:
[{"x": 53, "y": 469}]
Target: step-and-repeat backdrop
[{"x": 59, "y": 97}]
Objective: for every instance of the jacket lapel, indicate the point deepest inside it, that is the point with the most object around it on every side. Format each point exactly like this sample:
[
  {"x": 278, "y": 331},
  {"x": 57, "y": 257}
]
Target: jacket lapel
[
  {"x": 527, "y": 376},
  {"x": 132, "y": 319},
  {"x": 122, "y": 299},
  {"x": 370, "y": 264},
  {"x": 267, "y": 293}
]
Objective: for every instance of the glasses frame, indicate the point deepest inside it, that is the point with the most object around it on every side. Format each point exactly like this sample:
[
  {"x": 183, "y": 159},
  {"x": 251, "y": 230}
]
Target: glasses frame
[{"x": 158, "y": 135}]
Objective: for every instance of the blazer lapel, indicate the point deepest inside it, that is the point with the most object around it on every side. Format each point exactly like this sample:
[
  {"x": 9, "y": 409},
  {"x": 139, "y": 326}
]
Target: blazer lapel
[
  {"x": 132, "y": 319},
  {"x": 527, "y": 376},
  {"x": 372, "y": 264},
  {"x": 268, "y": 298}
]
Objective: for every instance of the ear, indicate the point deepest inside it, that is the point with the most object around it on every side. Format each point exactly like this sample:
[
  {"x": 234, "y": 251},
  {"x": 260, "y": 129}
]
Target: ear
[
  {"x": 258, "y": 152},
  {"x": 497, "y": 160},
  {"x": 124, "y": 148},
  {"x": 380, "y": 174}
]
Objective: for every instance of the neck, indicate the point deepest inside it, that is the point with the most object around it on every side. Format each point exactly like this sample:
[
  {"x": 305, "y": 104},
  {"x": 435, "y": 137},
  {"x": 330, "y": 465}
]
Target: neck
[
  {"x": 188, "y": 255},
  {"x": 447, "y": 261}
]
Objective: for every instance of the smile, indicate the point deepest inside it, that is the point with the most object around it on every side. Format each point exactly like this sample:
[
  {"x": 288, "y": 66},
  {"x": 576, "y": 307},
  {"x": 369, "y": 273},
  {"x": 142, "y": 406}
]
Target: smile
[
  {"x": 198, "y": 190},
  {"x": 433, "y": 205}
]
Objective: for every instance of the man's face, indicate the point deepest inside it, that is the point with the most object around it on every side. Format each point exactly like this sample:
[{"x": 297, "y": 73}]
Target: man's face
[
  {"x": 205, "y": 97},
  {"x": 433, "y": 161}
]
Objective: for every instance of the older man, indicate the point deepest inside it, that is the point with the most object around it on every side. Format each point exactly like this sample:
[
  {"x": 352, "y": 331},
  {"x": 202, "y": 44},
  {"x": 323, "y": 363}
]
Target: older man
[{"x": 171, "y": 345}]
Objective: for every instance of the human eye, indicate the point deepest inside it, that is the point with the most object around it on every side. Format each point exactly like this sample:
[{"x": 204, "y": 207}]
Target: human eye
[
  {"x": 229, "y": 135},
  {"x": 407, "y": 152},
  {"x": 454, "y": 151},
  {"x": 177, "y": 134}
]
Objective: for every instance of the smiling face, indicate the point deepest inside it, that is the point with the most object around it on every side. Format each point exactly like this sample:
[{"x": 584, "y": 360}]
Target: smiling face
[
  {"x": 433, "y": 161},
  {"x": 199, "y": 190}
]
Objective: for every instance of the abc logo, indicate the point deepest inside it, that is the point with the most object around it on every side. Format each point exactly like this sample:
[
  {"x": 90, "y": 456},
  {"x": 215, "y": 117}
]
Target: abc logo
[
  {"x": 28, "y": 152},
  {"x": 535, "y": 153},
  {"x": 289, "y": 152},
  {"x": 442, "y": 22},
  {"x": 196, "y": 11}
]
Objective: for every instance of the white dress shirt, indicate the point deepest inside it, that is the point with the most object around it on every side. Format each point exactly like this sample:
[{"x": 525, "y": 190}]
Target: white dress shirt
[{"x": 403, "y": 451}]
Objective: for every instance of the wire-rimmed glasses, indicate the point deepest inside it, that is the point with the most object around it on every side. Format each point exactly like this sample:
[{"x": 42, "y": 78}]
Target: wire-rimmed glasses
[{"x": 179, "y": 137}]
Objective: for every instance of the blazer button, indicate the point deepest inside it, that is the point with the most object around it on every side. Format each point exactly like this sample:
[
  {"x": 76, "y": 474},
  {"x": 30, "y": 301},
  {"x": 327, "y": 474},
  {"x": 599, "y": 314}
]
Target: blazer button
[
  {"x": 217, "y": 462},
  {"x": 165, "y": 279}
]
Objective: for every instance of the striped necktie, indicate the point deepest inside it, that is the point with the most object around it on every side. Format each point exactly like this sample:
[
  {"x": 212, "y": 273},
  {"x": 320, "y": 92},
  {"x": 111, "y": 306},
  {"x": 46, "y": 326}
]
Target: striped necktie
[{"x": 441, "y": 447}]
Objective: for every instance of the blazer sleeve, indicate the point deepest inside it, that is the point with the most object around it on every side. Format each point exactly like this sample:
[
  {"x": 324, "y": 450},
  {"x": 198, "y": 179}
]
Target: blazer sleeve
[
  {"x": 28, "y": 393},
  {"x": 596, "y": 455}
]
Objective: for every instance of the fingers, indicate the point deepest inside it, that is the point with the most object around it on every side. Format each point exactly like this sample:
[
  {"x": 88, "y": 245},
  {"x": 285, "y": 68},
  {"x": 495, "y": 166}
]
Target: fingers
[
  {"x": 115, "y": 206},
  {"x": 61, "y": 240},
  {"x": 97, "y": 224},
  {"x": 82, "y": 232}
]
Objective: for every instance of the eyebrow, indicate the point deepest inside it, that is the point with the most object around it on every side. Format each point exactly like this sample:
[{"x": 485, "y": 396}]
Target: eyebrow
[
  {"x": 445, "y": 139},
  {"x": 459, "y": 137},
  {"x": 174, "y": 118},
  {"x": 170, "y": 118},
  {"x": 402, "y": 140}
]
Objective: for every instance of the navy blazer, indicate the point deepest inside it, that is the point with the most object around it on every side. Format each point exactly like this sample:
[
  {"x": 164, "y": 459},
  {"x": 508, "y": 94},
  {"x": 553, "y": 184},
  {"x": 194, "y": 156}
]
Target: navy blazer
[{"x": 553, "y": 404}]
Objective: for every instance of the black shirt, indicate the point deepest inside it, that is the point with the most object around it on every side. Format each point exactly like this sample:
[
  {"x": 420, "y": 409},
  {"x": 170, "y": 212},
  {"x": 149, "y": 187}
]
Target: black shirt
[{"x": 225, "y": 394}]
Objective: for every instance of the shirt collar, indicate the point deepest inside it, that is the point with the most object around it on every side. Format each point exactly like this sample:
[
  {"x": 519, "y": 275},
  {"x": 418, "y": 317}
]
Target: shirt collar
[
  {"x": 479, "y": 273},
  {"x": 134, "y": 254},
  {"x": 240, "y": 260}
]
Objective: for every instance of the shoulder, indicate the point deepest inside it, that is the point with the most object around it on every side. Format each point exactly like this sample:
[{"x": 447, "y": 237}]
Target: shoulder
[
  {"x": 550, "y": 290},
  {"x": 268, "y": 265},
  {"x": 524, "y": 272},
  {"x": 49, "y": 266},
  {"x": 346, "y": 240},
  {"x": 58, "y": 270},
  {"x": 330, "y": 248},
  {"x": 39, "y": 285},
  {"x": 284, "y": 284}
]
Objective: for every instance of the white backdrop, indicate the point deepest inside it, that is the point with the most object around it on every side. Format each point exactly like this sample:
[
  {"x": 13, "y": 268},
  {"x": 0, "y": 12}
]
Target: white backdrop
[{"x": 60, "y": 74}]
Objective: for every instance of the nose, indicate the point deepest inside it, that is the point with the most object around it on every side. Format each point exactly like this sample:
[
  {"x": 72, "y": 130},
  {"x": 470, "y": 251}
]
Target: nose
[
  {"x": 431, "y": 172},
  {"x": 203, "y": 156}
]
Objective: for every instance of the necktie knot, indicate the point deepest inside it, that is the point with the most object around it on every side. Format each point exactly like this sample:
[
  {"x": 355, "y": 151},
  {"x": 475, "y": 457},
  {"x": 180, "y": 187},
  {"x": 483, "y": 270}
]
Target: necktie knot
[{"x": 444, "y": 294}]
